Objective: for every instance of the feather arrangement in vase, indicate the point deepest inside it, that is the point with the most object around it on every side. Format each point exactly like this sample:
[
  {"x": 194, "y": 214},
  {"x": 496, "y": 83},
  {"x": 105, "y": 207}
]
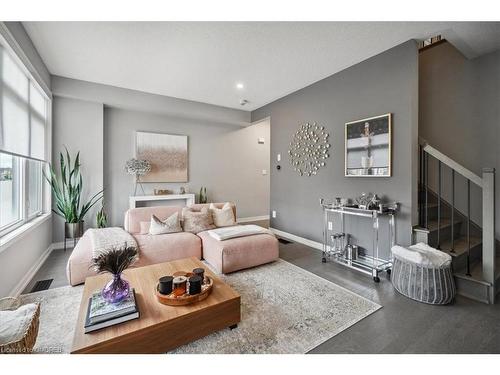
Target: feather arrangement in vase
[{"x": 115, "y": 261}]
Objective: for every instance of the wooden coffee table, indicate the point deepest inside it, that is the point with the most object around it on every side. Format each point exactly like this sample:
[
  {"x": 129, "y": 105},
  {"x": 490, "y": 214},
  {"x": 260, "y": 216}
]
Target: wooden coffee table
[{"x": 160, "y": 328}]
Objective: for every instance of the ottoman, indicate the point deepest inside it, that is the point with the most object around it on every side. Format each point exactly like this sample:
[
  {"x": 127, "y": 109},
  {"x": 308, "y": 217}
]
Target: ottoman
[
  {"x": 423, "y": 274},
  {"x": 239, "y": 253}
]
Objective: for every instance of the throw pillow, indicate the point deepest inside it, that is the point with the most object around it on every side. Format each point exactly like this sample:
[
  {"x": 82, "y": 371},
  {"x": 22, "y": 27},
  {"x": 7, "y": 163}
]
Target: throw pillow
[
  {"x": 169, "y": 225},
  {"x": 197, "y": 221},
  {"x": 223, "y": 217}
]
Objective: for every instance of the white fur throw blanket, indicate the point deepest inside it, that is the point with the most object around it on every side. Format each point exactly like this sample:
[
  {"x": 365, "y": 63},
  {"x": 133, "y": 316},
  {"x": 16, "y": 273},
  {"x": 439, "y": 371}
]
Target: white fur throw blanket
[
  {"x": 226, "y": 233},
  {"x": 423, "y": 255},
  {"x": 105, "y": 239}
]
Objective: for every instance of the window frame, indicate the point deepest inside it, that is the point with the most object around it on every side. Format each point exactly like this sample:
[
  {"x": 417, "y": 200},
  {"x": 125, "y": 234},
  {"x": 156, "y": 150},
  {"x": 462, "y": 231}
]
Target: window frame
[
  {"x": 44, "y": 193},
  {"x": 27, "y": 201},
  {"x": 17, "y": 164}
]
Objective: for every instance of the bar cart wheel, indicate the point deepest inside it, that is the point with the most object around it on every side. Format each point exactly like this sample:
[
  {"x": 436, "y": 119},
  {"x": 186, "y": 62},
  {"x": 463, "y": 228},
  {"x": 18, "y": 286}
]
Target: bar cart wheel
[
  {"x": 376, "y": 279},
  {"x": 323, "y": 260}
]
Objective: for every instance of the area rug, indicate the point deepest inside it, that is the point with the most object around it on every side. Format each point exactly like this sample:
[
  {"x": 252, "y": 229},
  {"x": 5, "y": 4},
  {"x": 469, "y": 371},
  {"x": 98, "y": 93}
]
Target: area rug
[{"x": 284, "y": 309}]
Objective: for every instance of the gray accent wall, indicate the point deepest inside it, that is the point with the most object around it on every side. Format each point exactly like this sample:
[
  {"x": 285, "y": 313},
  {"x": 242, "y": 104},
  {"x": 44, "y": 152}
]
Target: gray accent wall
[
  {"x": 384, "y": 83},
  {"x": 459, "y": 115}
]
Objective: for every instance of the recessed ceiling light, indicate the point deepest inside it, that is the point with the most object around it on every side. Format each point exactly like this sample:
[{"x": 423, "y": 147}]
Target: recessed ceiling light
[{"x": 240, "y": 86}]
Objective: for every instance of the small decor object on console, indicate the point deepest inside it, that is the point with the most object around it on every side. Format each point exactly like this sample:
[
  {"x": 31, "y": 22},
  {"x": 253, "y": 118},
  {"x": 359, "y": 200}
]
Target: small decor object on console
[
  {"x": 162, "y": 192},
  {"x": 101, "y": 218},
  {"x": 309, "y": 149},
  {"x": 115, "y": 261},
  {"x": 364, "y": 200},
  {"x": 137, "y": 168},
  {"x": 203, "y": 195}
]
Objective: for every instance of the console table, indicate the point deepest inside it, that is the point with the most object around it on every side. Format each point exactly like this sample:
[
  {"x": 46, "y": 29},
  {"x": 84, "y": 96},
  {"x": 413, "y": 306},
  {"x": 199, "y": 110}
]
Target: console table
[
  {"x": 371, "y": 264},
  {"x": 134, "y": 202}
]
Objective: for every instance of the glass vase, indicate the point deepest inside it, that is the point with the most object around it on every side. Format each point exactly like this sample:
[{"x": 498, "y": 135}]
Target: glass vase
[{"x": 115, "y": 290}]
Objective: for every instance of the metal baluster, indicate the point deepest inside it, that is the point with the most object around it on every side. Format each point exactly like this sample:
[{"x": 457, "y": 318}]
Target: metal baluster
[
  {"x": 419, "y": 185},
  {"x": 468, "y": 228},
  {"x": 452, "y": 250},
  {"x": 426, "y": 174},
  {"x": 439, "y": 206}
]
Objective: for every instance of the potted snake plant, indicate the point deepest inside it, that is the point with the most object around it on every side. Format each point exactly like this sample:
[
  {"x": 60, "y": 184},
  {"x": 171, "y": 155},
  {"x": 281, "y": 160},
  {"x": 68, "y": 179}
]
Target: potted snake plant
[{"x": 67, "y": 190}]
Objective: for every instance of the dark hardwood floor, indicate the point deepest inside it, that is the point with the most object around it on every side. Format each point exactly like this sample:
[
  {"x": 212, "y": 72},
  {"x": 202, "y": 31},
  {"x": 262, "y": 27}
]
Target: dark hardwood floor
[{"x": 401, "y": 326}]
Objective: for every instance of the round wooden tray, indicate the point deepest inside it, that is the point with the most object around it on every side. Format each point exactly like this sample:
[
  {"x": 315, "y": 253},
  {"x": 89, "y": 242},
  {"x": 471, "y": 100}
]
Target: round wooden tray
[{"x": 186, "y": 299}]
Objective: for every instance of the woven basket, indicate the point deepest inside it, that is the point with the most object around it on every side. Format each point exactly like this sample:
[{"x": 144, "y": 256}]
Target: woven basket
[
  {"x": 434, "y": 286},
  {"x": 27, "y": 342}
]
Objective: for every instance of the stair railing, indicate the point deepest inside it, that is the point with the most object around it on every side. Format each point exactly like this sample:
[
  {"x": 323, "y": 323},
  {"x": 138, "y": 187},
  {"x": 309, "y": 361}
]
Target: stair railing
[{"x": 487, "y": 185}]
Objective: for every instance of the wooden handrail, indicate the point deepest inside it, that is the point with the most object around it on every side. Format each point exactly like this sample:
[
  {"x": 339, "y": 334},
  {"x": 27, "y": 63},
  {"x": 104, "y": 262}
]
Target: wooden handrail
[{"x": 451, "y": 163}]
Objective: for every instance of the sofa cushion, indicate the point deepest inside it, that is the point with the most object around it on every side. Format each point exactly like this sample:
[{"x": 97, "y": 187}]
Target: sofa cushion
[
  {"x": 167, "y": 247},
  {"x": 223, "y": 217},
  {"x": 197, "y": 221},
  {"x": 153, "y": 249},
  {"x": 134, "y": 216},
  {"x": 171, "y": 224},
  {"x": 239, "y": 253}
]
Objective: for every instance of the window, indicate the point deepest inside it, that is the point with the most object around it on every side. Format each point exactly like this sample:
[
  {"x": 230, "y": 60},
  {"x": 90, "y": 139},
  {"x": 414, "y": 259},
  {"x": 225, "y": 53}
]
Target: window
[
  {"x": 34, "y": 179},
  {"x": 24, "y": 109},
  {"x": 10, "y": 181}
]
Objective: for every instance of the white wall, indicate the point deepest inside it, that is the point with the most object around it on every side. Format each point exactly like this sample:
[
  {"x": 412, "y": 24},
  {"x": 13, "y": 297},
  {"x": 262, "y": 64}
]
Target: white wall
[
  {"x": 227, "y": 160},
  {"x": 78, "y": 125},
  {"x": 19, "y": 260}
]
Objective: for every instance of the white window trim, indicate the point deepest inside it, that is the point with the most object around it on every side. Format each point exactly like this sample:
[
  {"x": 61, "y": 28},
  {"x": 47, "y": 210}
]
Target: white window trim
[{"x": 19, "y": 233}]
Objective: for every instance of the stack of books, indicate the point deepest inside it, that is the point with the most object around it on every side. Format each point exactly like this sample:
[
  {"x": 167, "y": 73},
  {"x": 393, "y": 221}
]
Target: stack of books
[{"x": 101, "y": 314}]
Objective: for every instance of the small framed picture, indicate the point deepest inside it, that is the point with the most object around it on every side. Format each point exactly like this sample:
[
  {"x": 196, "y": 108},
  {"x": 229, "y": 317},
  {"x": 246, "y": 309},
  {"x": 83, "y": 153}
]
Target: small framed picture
[{"x": 368, "y": 147}]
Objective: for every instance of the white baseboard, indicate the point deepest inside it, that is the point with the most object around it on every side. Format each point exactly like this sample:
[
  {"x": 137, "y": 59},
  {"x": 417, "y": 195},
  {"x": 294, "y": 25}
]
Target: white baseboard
[
  {"x": 252, "y": 218},
  {"x": 60, "y": 245},
  {"x": 294, "y": 238},
  {"x": 18, "y": 289}
]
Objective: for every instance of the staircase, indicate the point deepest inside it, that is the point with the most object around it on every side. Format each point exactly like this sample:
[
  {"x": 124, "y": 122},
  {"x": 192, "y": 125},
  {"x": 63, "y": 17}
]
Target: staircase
[{"x": 443, "y": 226}]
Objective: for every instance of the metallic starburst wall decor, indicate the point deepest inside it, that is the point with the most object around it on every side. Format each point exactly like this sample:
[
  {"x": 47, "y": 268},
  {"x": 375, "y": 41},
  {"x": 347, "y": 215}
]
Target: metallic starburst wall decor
[{"x": 309, "y": 149}]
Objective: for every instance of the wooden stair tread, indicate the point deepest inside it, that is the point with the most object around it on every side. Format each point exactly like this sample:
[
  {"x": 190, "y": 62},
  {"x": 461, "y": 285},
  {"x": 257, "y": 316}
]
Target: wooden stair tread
[
  {"x": 460, "y": 245},
  {"x": 445, "y": 222}
]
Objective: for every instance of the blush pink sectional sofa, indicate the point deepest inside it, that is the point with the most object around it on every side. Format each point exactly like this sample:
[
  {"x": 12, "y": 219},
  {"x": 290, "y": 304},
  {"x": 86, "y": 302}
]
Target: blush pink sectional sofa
[{"x": 224, "y": 256}]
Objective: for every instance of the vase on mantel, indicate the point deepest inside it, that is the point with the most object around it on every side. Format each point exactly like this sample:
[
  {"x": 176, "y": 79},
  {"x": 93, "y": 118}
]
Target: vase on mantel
[{"x": 116, "y": 289}]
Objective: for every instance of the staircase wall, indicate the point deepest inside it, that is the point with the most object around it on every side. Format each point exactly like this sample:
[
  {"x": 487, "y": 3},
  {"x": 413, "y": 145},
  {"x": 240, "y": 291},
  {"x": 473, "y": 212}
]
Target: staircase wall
[{"x": 459, "y": 102}]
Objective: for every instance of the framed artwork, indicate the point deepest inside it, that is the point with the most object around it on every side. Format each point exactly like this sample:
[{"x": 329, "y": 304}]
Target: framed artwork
[
  {"x": 167, "y": 154},
  {"x": 368, "y": 147}
]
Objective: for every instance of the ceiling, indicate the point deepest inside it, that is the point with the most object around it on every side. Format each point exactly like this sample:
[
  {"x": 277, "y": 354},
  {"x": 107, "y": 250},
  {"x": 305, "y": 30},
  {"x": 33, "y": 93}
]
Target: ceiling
[{"x": 204, "y": 61}]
